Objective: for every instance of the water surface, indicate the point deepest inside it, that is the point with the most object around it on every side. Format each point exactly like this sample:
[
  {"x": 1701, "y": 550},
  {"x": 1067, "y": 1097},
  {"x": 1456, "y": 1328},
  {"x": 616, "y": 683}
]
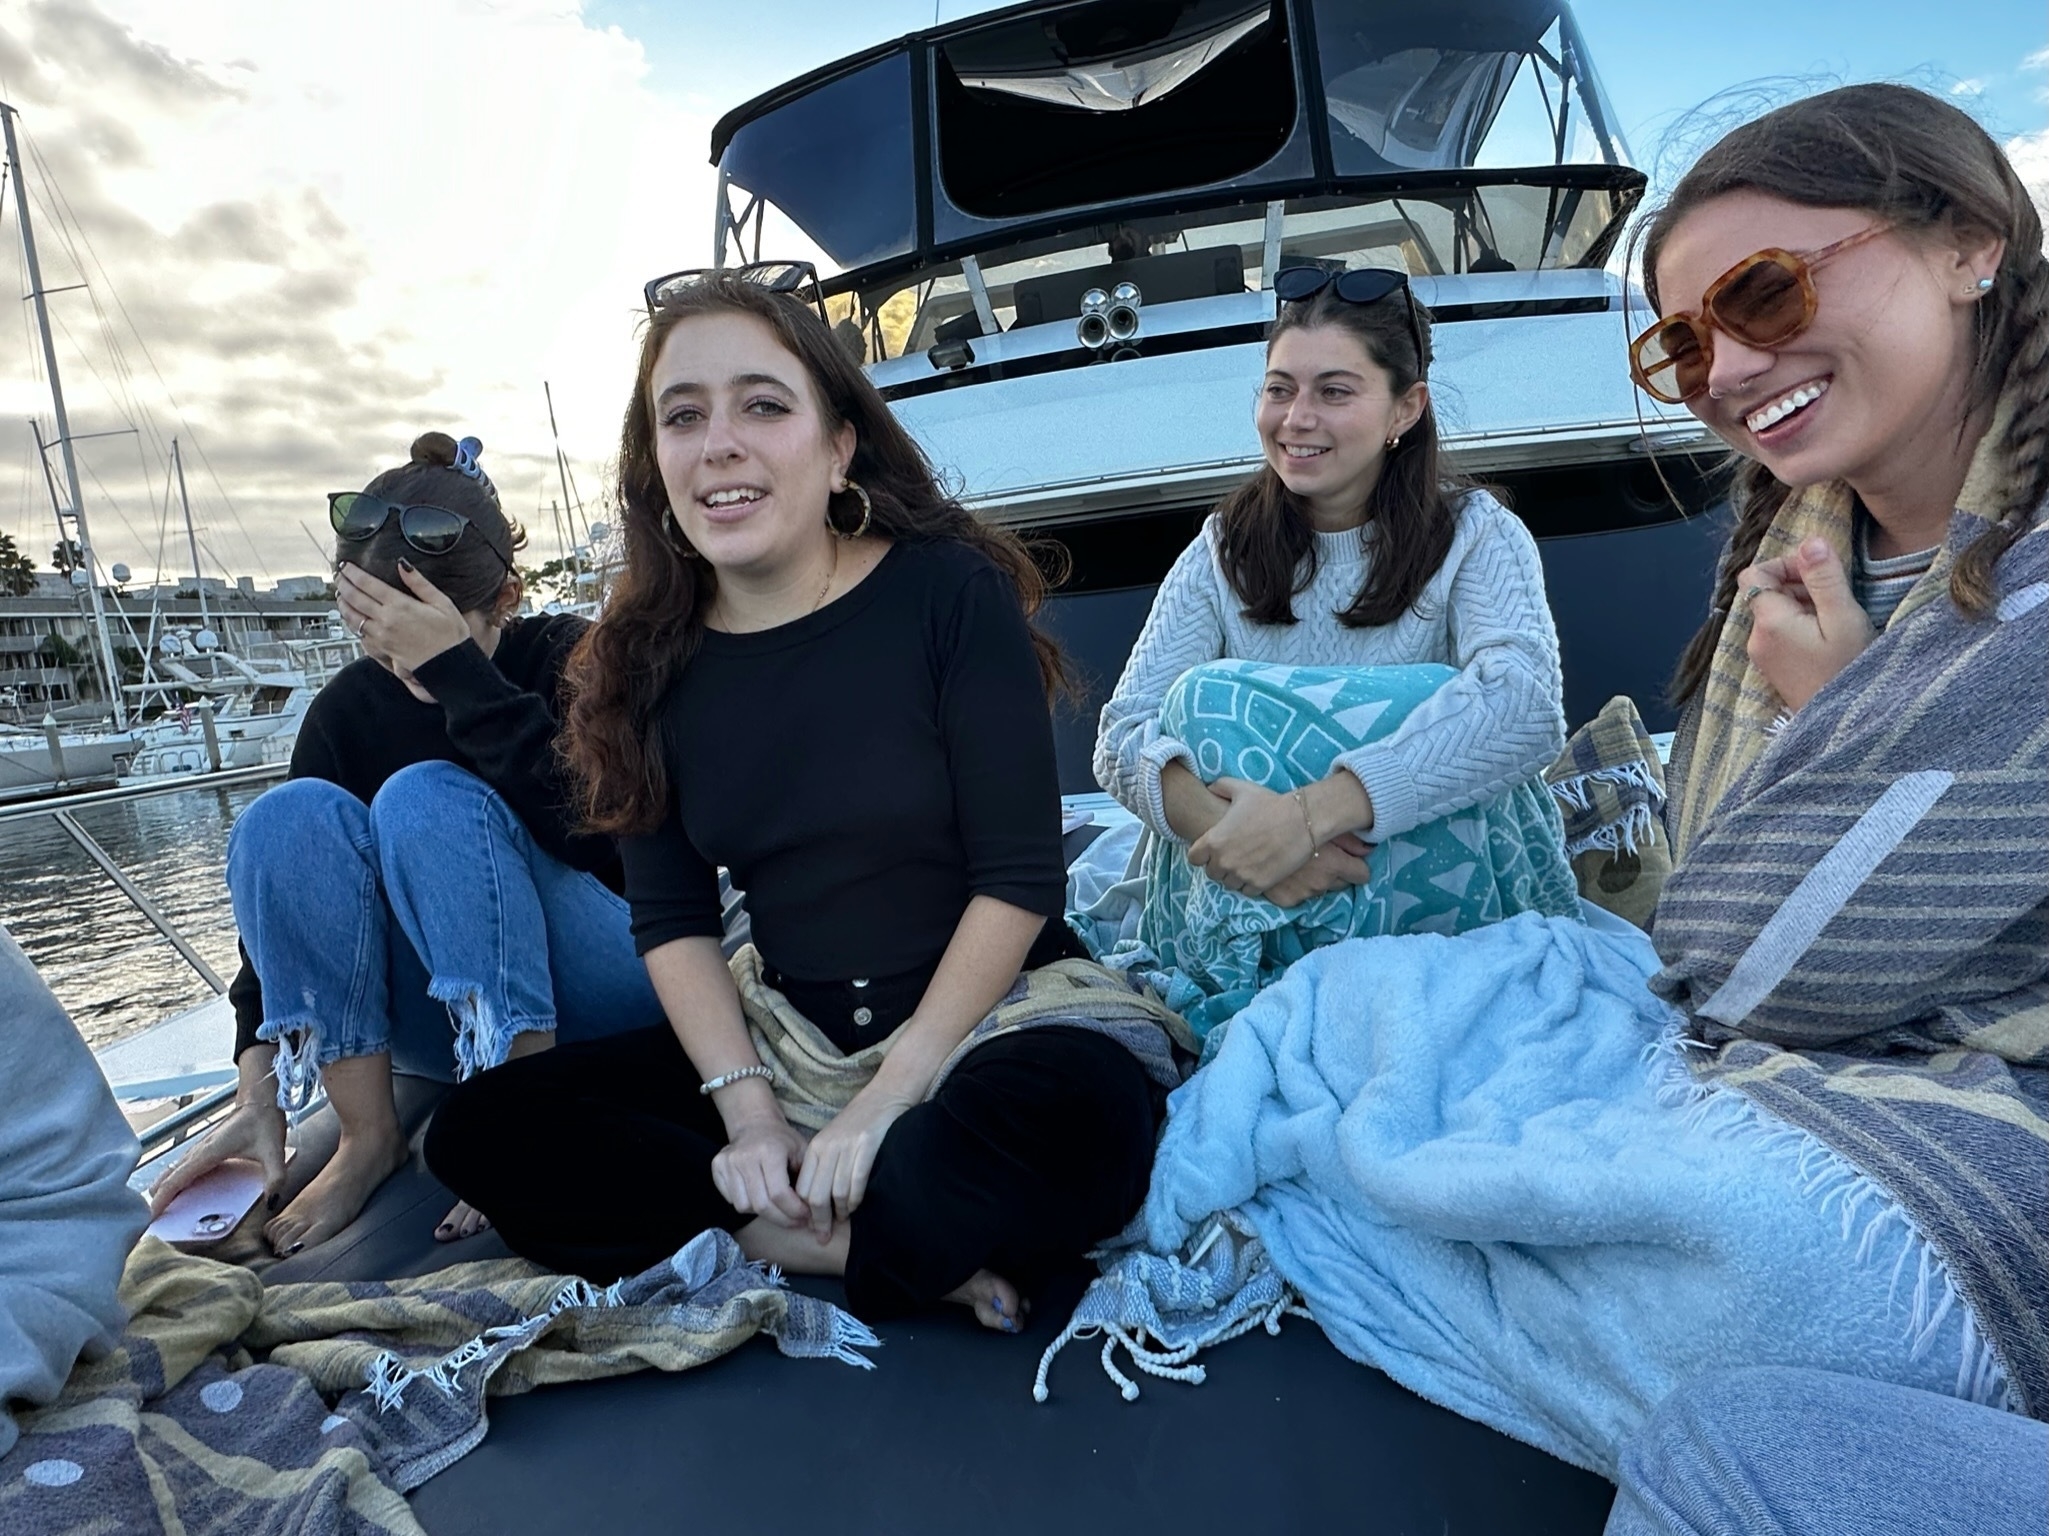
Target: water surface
[{"x": 104, "y": 960}]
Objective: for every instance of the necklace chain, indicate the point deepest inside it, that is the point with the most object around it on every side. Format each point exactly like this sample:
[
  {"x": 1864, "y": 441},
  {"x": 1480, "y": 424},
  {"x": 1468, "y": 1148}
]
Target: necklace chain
[{"x": 830, "y": 572}]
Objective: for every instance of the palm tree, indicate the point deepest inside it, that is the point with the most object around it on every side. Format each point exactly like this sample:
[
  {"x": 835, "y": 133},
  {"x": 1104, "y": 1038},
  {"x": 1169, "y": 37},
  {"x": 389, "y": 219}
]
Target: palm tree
[{"x": 17, "y": 571}]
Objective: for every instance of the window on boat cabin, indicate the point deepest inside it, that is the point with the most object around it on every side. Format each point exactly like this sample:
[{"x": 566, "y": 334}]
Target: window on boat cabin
[
  {"x": 1526, "y": 225},
  {"x": 1490, "y": 83},
  {"x": 1109, "y": 102}
]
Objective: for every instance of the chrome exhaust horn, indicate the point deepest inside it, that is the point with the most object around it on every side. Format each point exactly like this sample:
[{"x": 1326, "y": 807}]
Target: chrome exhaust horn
[
  {"x": 1121, "y": 317},
  {"x": 1093, "y": 329}
]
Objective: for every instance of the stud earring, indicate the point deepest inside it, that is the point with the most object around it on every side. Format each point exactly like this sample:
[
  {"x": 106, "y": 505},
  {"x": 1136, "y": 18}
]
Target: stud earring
[
  {"x": 1394, "y": 442},
  {"x": 1984, "y": 285}
]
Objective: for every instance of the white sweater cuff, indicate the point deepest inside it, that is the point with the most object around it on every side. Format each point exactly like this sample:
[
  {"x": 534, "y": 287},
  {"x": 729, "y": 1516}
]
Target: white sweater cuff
[
  {"x": 1152, "y": 762},
  {"x": 1397, "y": 803}
]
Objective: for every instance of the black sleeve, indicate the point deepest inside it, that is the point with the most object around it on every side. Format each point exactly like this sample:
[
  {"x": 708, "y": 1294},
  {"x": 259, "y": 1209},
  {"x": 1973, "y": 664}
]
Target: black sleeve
[
  {"x": 673, "y": 889},
  {"x": 245, "y": 992},
  {"x": 508, "y": 732},
  {"x": 999, "y": 749}
]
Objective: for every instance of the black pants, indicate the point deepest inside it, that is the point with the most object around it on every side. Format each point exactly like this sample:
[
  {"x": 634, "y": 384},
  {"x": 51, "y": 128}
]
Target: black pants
[{"x": 595, "y": 1159}]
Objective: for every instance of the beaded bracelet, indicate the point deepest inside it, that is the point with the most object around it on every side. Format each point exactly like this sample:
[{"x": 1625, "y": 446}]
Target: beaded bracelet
[
  {"x": 1302, "y": 805},
  {"x": 725, "y": 1078}
]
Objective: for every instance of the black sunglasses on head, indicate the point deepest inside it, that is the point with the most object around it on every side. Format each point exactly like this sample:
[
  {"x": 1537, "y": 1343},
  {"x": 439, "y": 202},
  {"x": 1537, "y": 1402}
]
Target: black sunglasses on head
[
  {"x": 1359, "y": 285},
  {"x": 357, "y": 515},
  {"x": 797, "y": 279}
]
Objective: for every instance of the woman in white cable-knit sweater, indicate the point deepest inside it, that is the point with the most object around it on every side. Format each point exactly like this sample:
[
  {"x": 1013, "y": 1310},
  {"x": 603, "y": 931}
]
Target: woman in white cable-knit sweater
[{"x": 1351, "y": 548}]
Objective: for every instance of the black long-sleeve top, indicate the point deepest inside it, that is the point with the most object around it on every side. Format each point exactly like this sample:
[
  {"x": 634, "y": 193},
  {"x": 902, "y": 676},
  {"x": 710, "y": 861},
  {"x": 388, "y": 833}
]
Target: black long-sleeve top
[
  {"x": 495, "y": 716},
  {"x": 862, "y": 772}
]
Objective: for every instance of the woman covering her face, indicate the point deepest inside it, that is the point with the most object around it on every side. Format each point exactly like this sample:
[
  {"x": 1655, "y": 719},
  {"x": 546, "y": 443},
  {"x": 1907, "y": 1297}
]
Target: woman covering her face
[
  {"x": 1572, "y": 1167},
  {"x": 819, "y": 673},
  {"x": 416, "y": 893},
  {"x": 1356, "y": 650}
]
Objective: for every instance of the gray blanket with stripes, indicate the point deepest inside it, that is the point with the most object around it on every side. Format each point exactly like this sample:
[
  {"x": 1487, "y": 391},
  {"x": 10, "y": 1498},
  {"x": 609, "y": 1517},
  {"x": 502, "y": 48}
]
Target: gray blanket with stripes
[{"x": 1860, "y": 934}]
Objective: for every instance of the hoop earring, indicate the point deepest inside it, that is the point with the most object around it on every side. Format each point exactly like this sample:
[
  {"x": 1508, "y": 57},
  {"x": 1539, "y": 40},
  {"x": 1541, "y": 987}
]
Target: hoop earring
[
  {"x": 1394, "y": 442},
  {"x": 867, "y": 513}
]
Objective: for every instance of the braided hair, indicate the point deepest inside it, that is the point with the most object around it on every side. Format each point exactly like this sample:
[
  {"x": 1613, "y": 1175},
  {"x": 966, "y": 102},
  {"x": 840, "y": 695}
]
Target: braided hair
[{"x": 1926, "y": 168}]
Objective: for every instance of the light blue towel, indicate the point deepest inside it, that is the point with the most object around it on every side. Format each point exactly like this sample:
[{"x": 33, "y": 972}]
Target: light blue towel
[
  {"x": 1282, "y": 727},
  {"x": 1478, "y": 1163}
]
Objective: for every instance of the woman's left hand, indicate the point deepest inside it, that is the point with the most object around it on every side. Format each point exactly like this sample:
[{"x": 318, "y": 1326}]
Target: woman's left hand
[
  {"x": 834, "y": 1177},
  {"x": 1805, "y": 622},
  {"x": 410, "y": 626},
  {"x": 1260, "y": 842}
]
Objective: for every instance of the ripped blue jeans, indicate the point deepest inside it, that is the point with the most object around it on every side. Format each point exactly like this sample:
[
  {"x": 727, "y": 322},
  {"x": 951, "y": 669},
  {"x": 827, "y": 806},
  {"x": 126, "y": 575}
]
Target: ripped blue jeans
[{"x": 427, "y": 923}]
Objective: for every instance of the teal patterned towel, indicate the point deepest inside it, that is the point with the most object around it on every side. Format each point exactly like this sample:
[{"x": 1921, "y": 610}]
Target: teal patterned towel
[{"x": 1283, "y": 727}]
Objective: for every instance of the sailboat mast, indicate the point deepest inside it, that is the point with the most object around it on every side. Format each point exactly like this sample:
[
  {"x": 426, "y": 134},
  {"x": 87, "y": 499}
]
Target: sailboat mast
[
  {"x": 191, "y": 538},
  {"x": 70, "y": 451},
  {"x": 568, "y": 504}
]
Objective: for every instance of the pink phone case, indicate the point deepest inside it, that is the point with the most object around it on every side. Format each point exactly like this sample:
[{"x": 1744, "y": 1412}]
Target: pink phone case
[{"x": 209, "y": 1210}]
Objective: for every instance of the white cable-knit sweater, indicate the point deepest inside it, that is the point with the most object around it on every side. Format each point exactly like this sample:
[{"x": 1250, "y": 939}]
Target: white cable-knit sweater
[{"x": 1501, "y": 720}]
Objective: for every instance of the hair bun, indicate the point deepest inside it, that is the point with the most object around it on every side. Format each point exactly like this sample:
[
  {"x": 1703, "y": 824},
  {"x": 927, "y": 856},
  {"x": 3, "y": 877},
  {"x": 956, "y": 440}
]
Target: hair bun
[{"x": 434, "y": 448}]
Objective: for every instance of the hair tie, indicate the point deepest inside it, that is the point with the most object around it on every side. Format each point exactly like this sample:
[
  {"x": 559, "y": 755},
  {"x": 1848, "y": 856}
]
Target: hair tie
[{"x": 466, "y": 453}]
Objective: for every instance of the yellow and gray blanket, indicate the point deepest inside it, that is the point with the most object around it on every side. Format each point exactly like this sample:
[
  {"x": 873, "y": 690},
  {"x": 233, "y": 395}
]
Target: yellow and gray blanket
[
  {"x": 814, "y": 1081},
  {"x": 227, "y": 1407},
  {"x": 1858, "y": 926}
]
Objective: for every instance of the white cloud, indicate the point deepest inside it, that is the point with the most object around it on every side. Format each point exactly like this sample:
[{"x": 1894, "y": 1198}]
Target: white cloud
[
  {"x": 1968, "y": 88},
  {"x": 336, "y": 226},
  {"x": 2030, "y": 156}
]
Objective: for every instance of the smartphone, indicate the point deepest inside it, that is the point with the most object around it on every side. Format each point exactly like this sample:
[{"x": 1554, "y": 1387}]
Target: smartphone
[{"x": 211, "y": 1208}]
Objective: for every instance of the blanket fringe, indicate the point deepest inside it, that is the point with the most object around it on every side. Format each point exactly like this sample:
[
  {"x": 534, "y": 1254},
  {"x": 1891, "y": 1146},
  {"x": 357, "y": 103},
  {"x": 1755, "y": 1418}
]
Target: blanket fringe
[
  {"x": 1630, "y": 832},
  {"x": 1166, "y": 1364},
  {"x": 1866, "y": 1210},
  {"x": 389, "y": 1378}
]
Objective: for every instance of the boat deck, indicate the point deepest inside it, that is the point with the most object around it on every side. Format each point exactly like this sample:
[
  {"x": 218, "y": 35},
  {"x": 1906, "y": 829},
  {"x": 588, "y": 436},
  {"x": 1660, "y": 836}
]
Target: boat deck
[{"x": 943, "y": 1435}]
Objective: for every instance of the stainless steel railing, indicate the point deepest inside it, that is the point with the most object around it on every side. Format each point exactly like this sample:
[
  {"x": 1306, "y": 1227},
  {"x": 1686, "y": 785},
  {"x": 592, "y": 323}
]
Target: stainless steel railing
[{"x": 198, "y": 1107}]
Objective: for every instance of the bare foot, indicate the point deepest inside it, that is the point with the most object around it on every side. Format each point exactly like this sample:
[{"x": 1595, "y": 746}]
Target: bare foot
[
  {"x": 463, "y": 1220},
  {"x": 338, "y": 1192},
  {"x": 994, "y": 1299}
]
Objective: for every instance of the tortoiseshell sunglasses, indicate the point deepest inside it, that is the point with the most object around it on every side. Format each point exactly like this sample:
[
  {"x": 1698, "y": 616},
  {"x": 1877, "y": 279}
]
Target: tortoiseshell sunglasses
[{"x": 1765, "y": 300}]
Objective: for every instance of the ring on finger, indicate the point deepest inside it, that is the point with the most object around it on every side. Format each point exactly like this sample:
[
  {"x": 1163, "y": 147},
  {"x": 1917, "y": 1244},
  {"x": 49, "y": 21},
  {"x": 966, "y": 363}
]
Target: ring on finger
[{"x": 1750, "y": 595}]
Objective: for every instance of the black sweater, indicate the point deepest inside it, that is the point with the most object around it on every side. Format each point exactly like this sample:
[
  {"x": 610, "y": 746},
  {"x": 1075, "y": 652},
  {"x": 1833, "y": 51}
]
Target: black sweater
[
  {"x": 495, "y": 716},
  {"x": 863, "y": 772}
]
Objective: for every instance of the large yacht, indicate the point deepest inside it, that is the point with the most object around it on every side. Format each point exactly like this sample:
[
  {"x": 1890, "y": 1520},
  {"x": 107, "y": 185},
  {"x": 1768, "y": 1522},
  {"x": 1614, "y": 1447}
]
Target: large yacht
[{"x": 1052, "y": 232}]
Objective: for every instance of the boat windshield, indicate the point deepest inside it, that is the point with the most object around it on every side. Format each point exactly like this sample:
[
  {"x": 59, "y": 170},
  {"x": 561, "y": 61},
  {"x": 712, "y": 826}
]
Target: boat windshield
[
  {"x": 987, "y": 136},
  {"x": 1501, "y": 227}
]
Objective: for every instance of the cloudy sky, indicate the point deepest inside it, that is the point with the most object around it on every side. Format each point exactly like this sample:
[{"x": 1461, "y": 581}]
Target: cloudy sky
[{"x": 316, "y": 229}]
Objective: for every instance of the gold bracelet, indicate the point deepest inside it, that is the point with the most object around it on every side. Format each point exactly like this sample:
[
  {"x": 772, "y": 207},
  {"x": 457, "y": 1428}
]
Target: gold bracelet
[{"x": 1302, "y": 805}]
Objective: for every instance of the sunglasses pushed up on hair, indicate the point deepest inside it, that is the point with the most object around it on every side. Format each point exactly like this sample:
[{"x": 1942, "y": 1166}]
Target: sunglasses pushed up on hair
[
  {"x": 795, "y": 279},
  {"x": 356, "y": 515},
  {"x": 1357, "y": 285},
  {"x": 1764, "y": 301}
]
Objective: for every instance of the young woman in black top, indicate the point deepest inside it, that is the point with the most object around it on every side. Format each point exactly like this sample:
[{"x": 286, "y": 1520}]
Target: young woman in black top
[
  {"x": 416, "y": 892},
  {"x": 818, "y": 672}
]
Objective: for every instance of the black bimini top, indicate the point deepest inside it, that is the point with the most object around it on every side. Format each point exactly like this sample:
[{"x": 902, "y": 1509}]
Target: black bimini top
[{"x": 988, "y": 130}]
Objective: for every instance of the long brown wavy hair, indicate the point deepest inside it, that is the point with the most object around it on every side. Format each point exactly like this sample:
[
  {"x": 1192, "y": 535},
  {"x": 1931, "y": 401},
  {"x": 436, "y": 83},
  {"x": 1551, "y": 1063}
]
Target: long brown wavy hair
[
  {"x": 1266, "y": 542},
  {"x": 1930, "y": 171},
  {"x": 654, "y": 616}
]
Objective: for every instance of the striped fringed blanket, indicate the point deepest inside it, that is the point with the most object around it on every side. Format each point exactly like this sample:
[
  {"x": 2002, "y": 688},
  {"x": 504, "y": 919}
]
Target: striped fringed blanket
[
  {"x": 814, "y": 1081},
  {"x": 1860, "y": 932},
  {"x": 179, "y": 1429},
  {"x": 1610, "y": 787}
]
